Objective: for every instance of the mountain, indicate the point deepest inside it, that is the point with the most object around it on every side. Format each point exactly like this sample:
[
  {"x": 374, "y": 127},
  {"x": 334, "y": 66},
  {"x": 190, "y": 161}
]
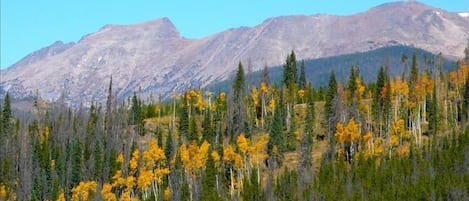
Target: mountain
[{"x": 152, "y": 57}]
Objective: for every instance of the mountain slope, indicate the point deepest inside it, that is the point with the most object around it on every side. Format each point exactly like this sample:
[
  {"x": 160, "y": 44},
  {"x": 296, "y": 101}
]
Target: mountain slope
[
  {"x": 152, "y": 57},
  {"x": 318, "y": 70}
]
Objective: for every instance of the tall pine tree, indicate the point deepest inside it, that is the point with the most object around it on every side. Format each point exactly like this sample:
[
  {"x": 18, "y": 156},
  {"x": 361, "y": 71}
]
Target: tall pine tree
[{"x": 238, "y": 90}]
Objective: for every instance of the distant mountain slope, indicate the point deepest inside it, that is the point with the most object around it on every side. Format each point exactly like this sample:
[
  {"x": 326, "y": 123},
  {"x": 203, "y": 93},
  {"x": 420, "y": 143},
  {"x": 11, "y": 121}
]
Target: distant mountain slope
[
  {"x": 152, "y": 57},
  {"x": 318, "y": 70}
]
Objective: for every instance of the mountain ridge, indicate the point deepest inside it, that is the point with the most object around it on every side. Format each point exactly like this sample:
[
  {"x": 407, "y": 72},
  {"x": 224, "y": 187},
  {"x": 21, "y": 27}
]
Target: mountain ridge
[{"x": 153, "y": 57}]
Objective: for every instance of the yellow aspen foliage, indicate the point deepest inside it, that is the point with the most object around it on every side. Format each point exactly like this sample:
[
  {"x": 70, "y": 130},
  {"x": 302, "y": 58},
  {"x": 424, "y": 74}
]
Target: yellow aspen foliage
[
  {"x": 192, "y": 93},
  {"x": 378, "y": 144},
  {"x": 6, "y": 193},
  {"x": 398, "y": 128},
  {"x": 61, "y": 196},
  {"x": 352, "y": 131},
  {"x": 340, "y": 133},
  {"x": 243, "y": 144},
  {"x": 3, "y": 192},
  {"x": 202, "y": 155},
  {"x": 427, "y": 83},
  {"x": 117, "y": 179},
  {"x": 199, "y": 104},
  {"x": 264, "y": 88},
  {"x": 394, "y": 141},
  {"x": 130, "y": 181},
  {"x": 154, "y": 155},
  {"x": 125, "y": 196},
  {"x": 271, "y": 105},
  {"x": 158, "y": 174},
  {"x": 84, "y": 190},
  {"x": 255, "y": 96},
  {"x": 367, "y": 137},
  {"x": 185, "y": 158},
  {"x": 120, "y": 159},
  {"x": 52, "y": 164},
  {"x": 301, "y": 93},
  {"x": 453, "y": 78},
  {"x": 360, "y": 88},
  {"x": 145, "y": 179},
  {"x": 45, "y": 135},
  {"x": 404, "y": 149},
  {"x": 222, "y": 97},
  {"x": 167, "y": 194},
  {"x": 228, "y": 153},
  {"x": 194, "y": 157},
  {"x": 107, "y": 194},
  {"x": 216, "y": 157},
  {"x": 258, "y": 149},
  {"x": 133, "y": 163}
]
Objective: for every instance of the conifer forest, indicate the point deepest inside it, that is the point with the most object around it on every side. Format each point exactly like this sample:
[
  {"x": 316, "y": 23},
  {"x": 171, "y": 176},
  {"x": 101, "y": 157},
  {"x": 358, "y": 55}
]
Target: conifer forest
[{"x": 402, "y": 137}]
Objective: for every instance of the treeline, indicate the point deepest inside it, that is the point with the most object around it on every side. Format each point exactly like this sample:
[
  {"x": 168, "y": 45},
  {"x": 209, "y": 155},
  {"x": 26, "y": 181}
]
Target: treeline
[{"x": 396, "y": 138}]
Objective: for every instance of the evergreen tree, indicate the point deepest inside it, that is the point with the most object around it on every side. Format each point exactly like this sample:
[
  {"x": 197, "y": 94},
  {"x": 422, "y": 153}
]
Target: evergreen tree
[
  {"x": 208, "y": 132},
  {"x": 168, "y": 150},
  {"x": 432, "y": 110},
  {"x": 352, "y": 99},
  {"x": 6, "y": 114},
  {"x": 277, "y": 136},
  {"x": 290, "y": 70},
  {"x": 98, "y": 162},
  {"x": 77, "y": 164},
  {"x": 137, "y": 116},
  {"x": 302, "y": 79},
  {"x": 183, "y": 125},
  {"x": 404, "y": 67},
  {"x": 329, "y": 106},
  {"x": 238, "y": 103},
  {"x": 193, "y": 131},
  {"x": 252, "y": 189},
  {"x": 414, "y": 72},
  {"x": 209, "y": 185},
  {"x": 107, "y": 118}
]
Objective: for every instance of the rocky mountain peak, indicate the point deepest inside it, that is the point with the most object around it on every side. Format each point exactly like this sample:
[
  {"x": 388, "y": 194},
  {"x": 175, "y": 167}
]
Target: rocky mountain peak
[{"x": 152, "y": 57}]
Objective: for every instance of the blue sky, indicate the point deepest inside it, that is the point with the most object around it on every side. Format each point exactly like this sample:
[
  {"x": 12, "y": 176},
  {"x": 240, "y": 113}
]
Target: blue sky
[{"x": 28, "y": 25}]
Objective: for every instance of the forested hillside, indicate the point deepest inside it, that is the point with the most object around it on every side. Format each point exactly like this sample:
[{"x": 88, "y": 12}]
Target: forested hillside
[
  {"x": 396, "y": 138},
  {"x": 369, "y": 62}
]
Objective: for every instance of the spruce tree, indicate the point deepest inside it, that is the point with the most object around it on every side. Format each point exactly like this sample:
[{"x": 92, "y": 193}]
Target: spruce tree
[
  {"x": 168, "y": 150},
  {"x": 329, "y": 106},
  {"x": 414, "y": 72},
  {"x": 277, "y": 136},
  {"x": 6, "y": 114},
  {"x": 302, "y": 79},
  {"x": 432, "y": 111},
  {"x": 290, "y": 70},
  {"x": 77, "y": 164},
  {"x": 209, "y": 183},
  {"x": 252, "y": 189},
  {"x": 183, "y": 125},
  {"x": 237, "y": 102},
  {"x": 208, "y": 132}
]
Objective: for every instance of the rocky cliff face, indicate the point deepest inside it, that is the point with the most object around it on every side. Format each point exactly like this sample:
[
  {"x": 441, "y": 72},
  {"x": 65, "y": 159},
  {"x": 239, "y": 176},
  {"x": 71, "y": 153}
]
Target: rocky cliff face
[{"x": 152, "y": 57}]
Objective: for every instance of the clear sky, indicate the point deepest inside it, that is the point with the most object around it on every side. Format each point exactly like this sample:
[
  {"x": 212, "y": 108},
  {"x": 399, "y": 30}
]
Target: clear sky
[{"x": 28, "y": 25}]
